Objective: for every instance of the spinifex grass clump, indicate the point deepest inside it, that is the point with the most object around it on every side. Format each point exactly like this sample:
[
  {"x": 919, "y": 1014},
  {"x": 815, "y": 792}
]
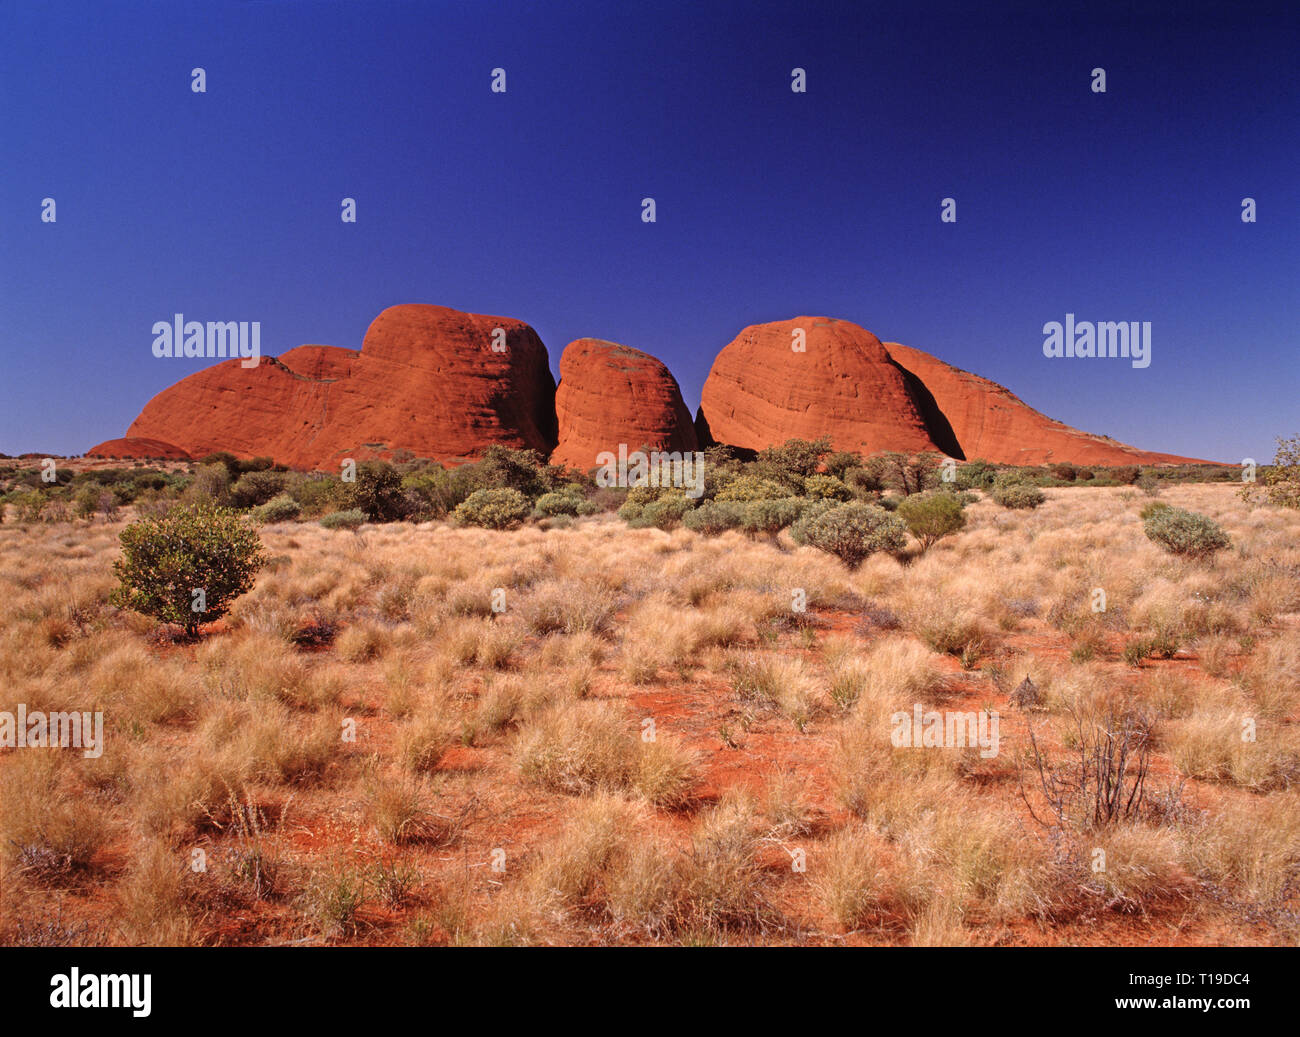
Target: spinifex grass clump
[{"x": 187, "y": 566}]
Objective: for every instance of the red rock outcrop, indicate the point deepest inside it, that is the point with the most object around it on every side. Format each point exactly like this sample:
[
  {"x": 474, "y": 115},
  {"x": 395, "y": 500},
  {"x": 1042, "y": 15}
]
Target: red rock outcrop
[
  {"x": 611, "y": 395},
  {"x": 427, "y": 379},
  {"x": 138, "y": 449},
  {"x": 992, "y": 423},
  {"x": 843, "y": 384}
]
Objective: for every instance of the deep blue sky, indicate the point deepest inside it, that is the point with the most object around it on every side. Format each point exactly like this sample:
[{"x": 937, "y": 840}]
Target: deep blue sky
[{"x": 225, "y": 205}]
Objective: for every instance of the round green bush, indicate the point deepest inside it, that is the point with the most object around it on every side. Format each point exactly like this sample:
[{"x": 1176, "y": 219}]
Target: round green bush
[
  {"x": 353, "y": 518},
  {"x": 494, "y": 509},
  {"x": 931, "y": 517},
  {"x": 1185, "y": 532},
  {"x": 667, "y": 511},
  {"x": 853, "y": 531},
  {"x": 1151, "y": 507},
  {"x": 559, "y": 502},
  {"x": 282, "y": 508},
  {"x": 826, "y": 487},
  {"x": 769, "y": 516},
  {"x": 714, "y": 517},
  {"x": 751, "y": 487},
  {"x": 194, "y": 547},
  {"x": 812, "y": 509},
  {"x": 1013, "y": 490}
]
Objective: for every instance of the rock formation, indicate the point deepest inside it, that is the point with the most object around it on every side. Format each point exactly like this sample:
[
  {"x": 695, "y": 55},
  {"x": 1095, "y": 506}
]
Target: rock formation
[
  {"x": 610, "y": 395},
  {"x": 445, "y": 385},
  {"x": 764, "y": 390},
  {"x": 138, "y": 449},
  {"x": 438, "y": 382},
  {"x": 992, "y": 423}
]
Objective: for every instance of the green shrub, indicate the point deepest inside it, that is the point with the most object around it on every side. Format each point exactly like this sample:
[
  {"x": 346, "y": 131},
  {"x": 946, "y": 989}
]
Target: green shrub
[
  {"x": 502, "y": 508},
  {"x": 667, "y": 511},
  {"x": 377, "y": 492},
  {"x": 976, "y": 475},
  {"x": 193, "y": 547},
  {"x": 1281, "y": 480},
  {"x": 1185, "y": 532},
  {"x": 254, "y": 488},
  {"x": 1014, "y": 490},
  {"x": 211, "y": 483},
  {"x": 314, "y": 492},
  {"x": 1148, "y": 484},
  {"x": 1151, "y": 507},
  {"x": 282, "y": 508},
  {"x": 826, "y": 487},
  {"x": 353, "y": 518},
  {"x": 86, "y": 501},
  {"x": 853, "y": 531},
  {"x": 751, "y": 487},
  {"x": 811, "y": 510},
  {"x": 560, "y": 502},
  {"x": 796, "y": 458},
  {"x": 931, "y": 517},
  {"x": 714, "y": 517},
  {"x": 769, "y": 517}
]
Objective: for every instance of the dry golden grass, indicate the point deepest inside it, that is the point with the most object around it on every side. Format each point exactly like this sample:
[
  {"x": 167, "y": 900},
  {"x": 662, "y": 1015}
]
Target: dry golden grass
[{"x": 417, "y": 731}]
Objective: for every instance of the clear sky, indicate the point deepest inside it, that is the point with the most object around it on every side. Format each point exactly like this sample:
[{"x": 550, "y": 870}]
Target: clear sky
[{"x": 1123, "y": 205}]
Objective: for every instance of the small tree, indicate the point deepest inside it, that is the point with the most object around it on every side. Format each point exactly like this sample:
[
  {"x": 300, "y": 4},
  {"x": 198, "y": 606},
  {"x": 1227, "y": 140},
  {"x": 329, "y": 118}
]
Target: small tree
[
  {"x": 1281, "y": 479},
  {"x": 187, "y": 566},
  {"x": 853, "y": 531},
  {"x": 931, "y": 517},
  {"x": 377, "y": 491}
]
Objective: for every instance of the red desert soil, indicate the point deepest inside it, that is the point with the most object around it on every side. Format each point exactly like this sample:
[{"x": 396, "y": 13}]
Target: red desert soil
[{"x": 695, "y": 707}]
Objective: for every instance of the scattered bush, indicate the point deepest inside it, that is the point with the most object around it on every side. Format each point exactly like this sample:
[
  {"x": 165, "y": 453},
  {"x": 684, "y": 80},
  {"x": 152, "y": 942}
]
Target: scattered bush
[
  {"x": 1013, "y": 490},
  {"x": 193, "y": 547},
  {"x": 278, "y": 509},
  {"x": 377, "y": 492},
  {"x": 769, "y": 517},
  {"x": 1185, "y": 532},
  {"x": 501, "y": 508},
  {"x": 751, "y": 487},
  {"x": 931, "y": 517},
  {"x": 826, "y": 487},
  {"x": 714, "y": 517},
  {"x": 353, "y": 519},
  {"x": 853, "y": 531}
]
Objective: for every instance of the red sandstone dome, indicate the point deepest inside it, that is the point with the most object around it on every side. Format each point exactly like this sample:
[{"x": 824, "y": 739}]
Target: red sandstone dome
[
  {"x": 994, "y": 424},
  {"x": 611, "y": 395},
  {"x": 842, "y": 383},
  {"x": 138, "y": 449},
  {"x": 438, "y": 382},
  {"x": 446, "y": 385}
]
